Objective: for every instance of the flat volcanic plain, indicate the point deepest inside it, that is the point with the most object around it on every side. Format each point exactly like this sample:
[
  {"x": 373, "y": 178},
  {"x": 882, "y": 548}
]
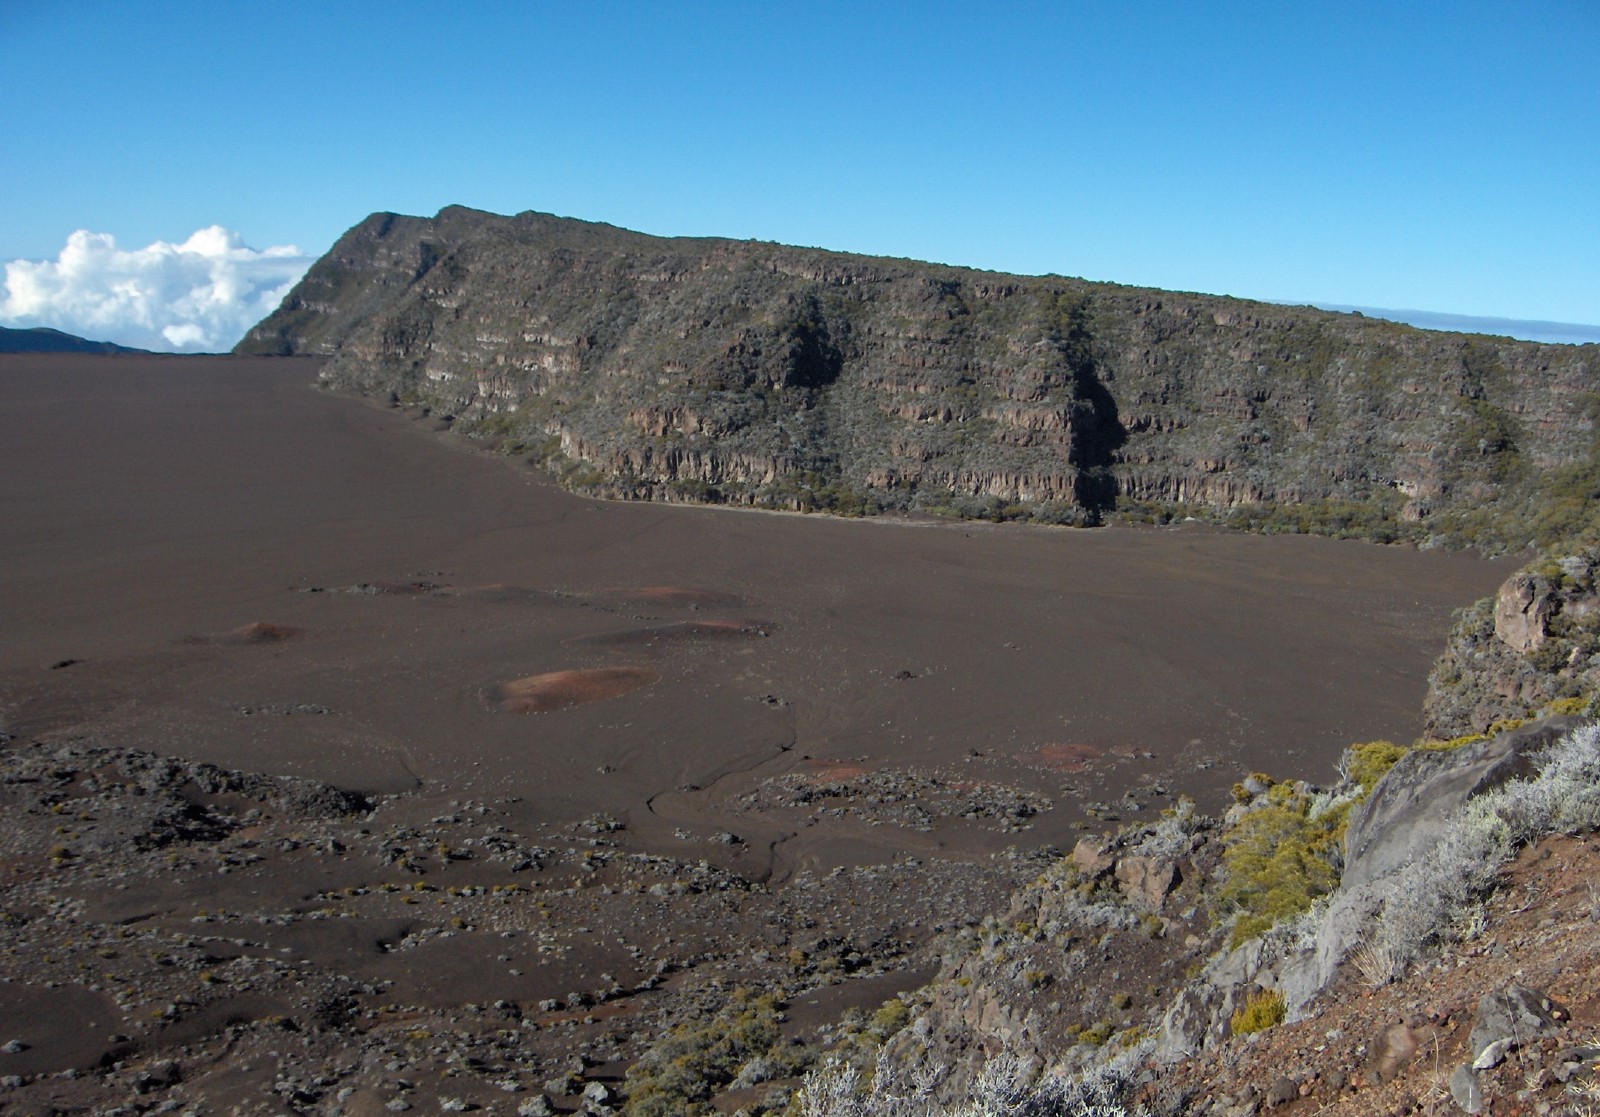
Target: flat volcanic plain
[{"x": 818, "y": 735}]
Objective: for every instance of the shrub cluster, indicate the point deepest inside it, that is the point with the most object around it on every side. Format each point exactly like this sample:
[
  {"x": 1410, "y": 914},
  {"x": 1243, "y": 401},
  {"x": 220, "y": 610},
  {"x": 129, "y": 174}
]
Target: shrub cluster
[
  {"x": 1280, "y": 857},
  {"x": 1287, "y": 851},
  {"x": 681, "y": 1072},
  {"x": 1005, "y": 1087},
  {"x": 1265, "y": 1009}
]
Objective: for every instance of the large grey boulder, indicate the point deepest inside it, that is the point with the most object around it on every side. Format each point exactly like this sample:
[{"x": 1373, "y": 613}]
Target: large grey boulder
[
  {"x": 1407, "y": 812},
  {"x": 1506, "y": 1020}
]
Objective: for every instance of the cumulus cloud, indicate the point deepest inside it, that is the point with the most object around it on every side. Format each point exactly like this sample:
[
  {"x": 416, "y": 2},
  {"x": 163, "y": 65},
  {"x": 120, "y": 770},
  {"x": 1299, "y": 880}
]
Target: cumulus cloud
[{"x": 198, "y": 296}]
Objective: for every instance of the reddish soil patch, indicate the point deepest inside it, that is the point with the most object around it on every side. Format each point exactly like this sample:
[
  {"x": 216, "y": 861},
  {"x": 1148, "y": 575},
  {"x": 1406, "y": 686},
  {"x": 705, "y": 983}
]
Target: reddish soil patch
[
  {"x": 1063, "y": 757},
  {"x": 260, "y": 632},
  {"x": 822, "y": 770},
  {"x": 556, "y": 690}
]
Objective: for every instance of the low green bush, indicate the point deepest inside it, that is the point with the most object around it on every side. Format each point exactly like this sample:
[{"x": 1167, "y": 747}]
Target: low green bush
[
  {"x": 1280, "y": 858},
  {"x": 679, "y": 1075}
]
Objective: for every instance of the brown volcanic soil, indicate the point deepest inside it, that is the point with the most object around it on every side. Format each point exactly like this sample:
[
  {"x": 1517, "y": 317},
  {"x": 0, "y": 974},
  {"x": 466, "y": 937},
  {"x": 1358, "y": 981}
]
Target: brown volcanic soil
[{"x": 207, "y": 559}]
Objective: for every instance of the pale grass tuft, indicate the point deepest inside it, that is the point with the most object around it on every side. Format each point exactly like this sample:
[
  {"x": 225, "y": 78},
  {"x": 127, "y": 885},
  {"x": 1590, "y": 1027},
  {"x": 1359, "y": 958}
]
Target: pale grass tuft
[{"x": 1375, "y": 963}]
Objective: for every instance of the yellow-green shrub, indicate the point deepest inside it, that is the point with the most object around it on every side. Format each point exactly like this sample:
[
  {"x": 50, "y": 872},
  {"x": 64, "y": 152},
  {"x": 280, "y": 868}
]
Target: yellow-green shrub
[
  {"x": 1368, "y": 763},
  {"x": 889, "y": 1019},
  {"x": 681, "y": 1072},
  {"x": 1279, "y": 859},
  {"x": 1262, "y": 1011}
]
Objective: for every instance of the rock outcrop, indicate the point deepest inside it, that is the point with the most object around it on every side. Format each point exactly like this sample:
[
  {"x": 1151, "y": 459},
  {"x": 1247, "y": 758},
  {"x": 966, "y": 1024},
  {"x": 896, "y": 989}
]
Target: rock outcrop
[
  {"x": 1406, "y": 813},
  {"x": 1536, "y": 642},
  {"x": 715, "y": 370}
]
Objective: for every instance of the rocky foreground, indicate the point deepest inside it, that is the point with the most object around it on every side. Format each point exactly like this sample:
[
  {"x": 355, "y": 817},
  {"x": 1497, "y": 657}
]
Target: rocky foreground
[
  {"x": 180, "y": 936},
  {"x": 1420, "y": 937}
]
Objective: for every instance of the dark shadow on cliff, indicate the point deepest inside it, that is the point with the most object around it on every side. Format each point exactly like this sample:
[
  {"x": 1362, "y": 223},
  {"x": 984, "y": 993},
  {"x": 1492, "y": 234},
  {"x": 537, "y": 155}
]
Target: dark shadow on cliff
[
  {"x": 814, "y": 359},
  {"x": 1097, "y": 430}
]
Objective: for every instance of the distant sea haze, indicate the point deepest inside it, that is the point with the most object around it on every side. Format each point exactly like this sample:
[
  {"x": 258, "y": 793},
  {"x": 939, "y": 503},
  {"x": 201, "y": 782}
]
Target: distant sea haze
[{"x": 1565, "y": 333}]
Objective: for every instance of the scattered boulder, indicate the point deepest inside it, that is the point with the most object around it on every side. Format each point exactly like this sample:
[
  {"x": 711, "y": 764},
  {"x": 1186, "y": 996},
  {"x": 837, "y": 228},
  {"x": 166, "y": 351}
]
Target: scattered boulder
[
  {"x": 1506, "y": 1021},
  {"x": 598, "y": 1096},
  {"x": 1093, "y": 857},
  {"x": 1282, "y": 1091},
  {"x": 1465, "y": 1090},
  {"x": 1512, "y": 1018},
  {"x": 1147, "y": 881}
]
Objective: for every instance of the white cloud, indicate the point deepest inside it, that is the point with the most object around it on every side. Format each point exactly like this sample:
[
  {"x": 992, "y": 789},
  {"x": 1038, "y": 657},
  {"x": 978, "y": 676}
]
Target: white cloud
[{"x": 198, "y": 296}]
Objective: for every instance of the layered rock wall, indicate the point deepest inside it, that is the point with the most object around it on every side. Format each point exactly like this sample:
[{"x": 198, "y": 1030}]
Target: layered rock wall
[{"x": 750, "y": 372}]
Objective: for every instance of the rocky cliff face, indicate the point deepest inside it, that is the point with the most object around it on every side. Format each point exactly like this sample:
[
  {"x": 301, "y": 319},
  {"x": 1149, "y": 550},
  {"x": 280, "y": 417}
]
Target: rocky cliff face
[{"x": 706, "y": 369}]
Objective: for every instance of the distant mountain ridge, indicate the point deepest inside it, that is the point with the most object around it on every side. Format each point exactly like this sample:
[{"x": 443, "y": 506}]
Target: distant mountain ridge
[
  {"x": 1523, "y": 329},
  {"x": 716, "y": 370},
  {"x": 42, "y": 339}
]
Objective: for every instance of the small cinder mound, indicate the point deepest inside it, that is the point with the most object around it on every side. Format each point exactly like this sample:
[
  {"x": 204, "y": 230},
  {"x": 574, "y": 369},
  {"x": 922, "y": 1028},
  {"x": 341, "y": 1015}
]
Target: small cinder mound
[
  {"x": 1063, "y": 757},
  {"x": 260, "y": 632},
  {"x": 676, "y": 597},
  {"x": 556, "y": 690},
  {"x": 686, "y": 632}
]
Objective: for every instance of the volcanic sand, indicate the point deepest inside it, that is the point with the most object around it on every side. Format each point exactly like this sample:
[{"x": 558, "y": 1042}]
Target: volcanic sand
[{"x": 207, "y": 557}]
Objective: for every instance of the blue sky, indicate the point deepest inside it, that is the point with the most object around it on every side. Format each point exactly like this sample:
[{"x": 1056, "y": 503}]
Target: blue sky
[{"x": 1437, "y": 156}]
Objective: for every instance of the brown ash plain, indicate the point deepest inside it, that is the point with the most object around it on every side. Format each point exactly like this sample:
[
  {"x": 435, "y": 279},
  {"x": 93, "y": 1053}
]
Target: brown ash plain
[{"x": 621, "y": 758}]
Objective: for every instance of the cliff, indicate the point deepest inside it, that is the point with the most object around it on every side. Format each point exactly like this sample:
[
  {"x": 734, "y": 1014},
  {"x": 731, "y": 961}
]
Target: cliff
[{"x": 718, "y": 370}]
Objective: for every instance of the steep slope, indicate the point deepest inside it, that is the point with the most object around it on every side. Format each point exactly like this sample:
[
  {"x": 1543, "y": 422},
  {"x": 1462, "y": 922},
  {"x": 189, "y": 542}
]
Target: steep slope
[{"x": 755, "y": 373}]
